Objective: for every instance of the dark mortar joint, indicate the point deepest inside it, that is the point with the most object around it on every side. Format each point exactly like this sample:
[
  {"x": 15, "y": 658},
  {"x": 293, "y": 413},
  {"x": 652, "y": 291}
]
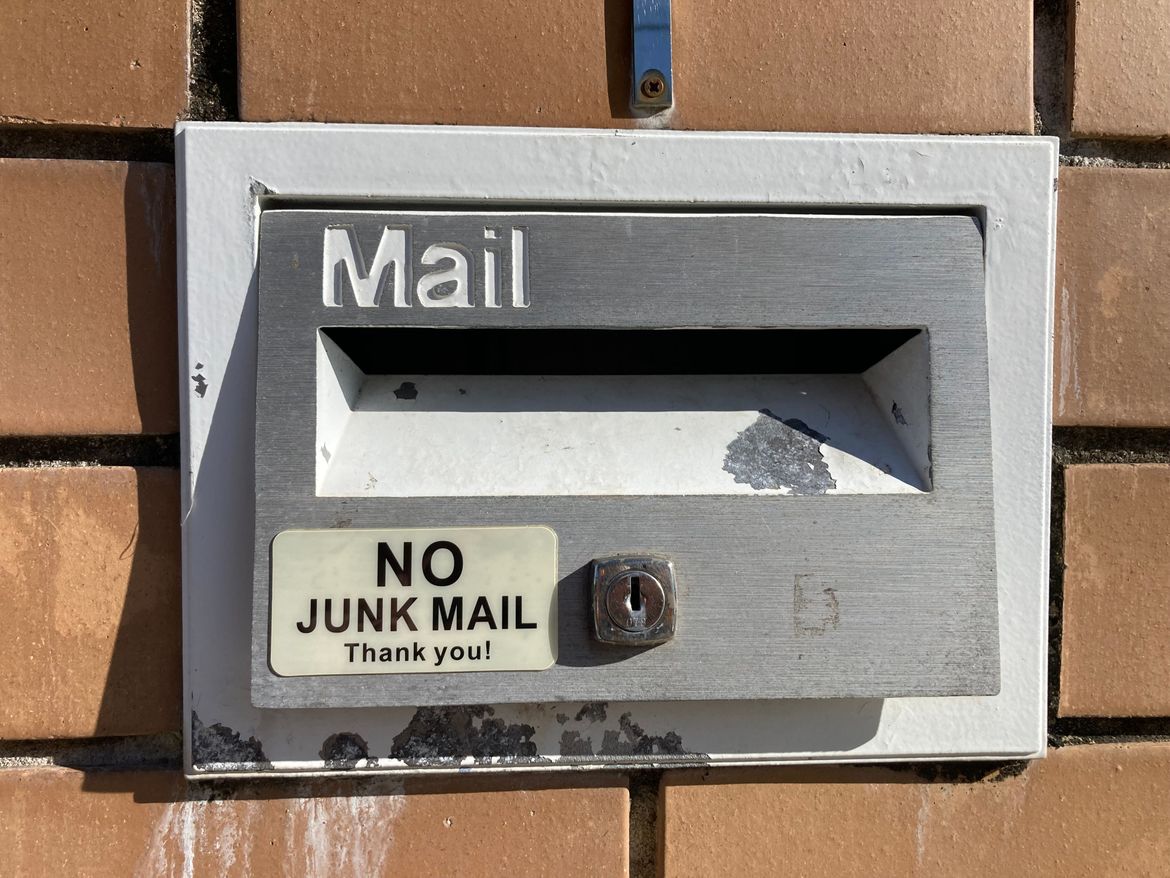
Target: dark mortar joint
[
  {"x": 31, "y": 451},
  {"x": 645, "y": 822},
  {"x": 1074, "y": 445},
  {"x": 213, "y": 89},
  {"x": 32, "y": 141},
  {"x": 1071, "y": 730},
  {"x": 161, "y": 752}
]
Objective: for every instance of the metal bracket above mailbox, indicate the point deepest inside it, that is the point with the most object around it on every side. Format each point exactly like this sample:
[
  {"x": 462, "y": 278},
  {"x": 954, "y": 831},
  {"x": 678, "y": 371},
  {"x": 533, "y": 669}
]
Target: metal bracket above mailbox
[
  {"x": 446, "y": 383},
  {"x": 652, "y": 85}
]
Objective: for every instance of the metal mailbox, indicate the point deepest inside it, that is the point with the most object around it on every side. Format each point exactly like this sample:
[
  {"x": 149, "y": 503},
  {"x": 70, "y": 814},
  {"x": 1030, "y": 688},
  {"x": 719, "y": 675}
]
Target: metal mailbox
[{"x": 519, "y": 458}]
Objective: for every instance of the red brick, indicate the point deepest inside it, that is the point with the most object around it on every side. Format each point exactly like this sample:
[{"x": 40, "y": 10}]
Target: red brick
[
  {"x": 1113, "y": 298},
  {"x": 89, "y": 558},
  {"x": 59, "y": 822},
  {"x": 88, "y": 343},
  {"x": 1083, "y": 812},
  {"x": 907, "y": 65},
  {"x": 1115, "y": 659},
  {"x": 1121, "y": 78},
  {"x": 121, "y": 64}
]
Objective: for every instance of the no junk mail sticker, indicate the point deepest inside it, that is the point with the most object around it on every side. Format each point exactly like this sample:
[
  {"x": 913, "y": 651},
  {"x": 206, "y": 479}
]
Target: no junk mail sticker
[{"x": 413, "y": 601}]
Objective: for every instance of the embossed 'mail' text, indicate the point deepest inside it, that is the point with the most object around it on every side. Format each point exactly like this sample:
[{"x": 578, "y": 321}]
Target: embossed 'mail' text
[{"x": 446, "y": 278}]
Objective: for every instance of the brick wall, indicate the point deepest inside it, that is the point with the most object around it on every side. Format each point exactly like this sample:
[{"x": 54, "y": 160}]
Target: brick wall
[{"x": 89, "y": 547}]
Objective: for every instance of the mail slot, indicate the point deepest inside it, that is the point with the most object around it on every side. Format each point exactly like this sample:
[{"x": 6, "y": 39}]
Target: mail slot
[{"x": 792, "y": 410}]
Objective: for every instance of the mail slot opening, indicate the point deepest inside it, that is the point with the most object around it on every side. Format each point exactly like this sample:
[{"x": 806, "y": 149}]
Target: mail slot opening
[{"x": 421, "y": 412}]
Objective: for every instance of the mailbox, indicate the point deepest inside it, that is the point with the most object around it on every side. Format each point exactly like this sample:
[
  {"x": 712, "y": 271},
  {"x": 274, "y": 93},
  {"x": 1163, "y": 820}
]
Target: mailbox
[{"x": 518, "y": 448}]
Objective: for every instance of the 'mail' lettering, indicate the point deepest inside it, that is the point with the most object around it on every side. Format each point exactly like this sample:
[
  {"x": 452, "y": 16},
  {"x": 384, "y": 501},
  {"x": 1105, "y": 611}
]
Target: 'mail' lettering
[{"x": 447, "y": 270}]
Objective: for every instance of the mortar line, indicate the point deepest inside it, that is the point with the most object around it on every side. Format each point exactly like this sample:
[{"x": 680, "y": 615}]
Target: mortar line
[
  {"x": 1081, "y": 445},
  {"x": 1055, "y": 593},
  {"x": 645, "y": 816},
  {"x": 162, "y": 751},
  {"x": 213, "y": 75},
  {"x": 35, "y": 141},
  {"x": 1069, "y": 730},
  {"x": 61, "y": 451}
]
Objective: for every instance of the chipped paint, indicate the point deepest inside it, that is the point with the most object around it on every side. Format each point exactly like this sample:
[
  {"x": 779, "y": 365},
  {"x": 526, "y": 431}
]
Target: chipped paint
[
  {"x": 573, "y": 744},
  {"x": 218, "y": 745},
  {"x": 777, "y": 453},
  {"x": 200, "y": 381},
  {"x": 593, "y": 711},
  {"x": 631, "y": 740},
  {"x": 344, "y": 750},
  {"x": 444, "y": 735},
  {"x": 628, "y": 739}
]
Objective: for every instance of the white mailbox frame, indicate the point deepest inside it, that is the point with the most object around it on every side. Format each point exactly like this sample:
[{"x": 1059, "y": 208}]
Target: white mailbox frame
[{"x": 225, "y": 173}]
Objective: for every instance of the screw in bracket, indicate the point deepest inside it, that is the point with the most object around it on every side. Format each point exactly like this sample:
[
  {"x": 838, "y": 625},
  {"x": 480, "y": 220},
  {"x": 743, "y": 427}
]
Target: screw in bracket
[{"x": 653, "y": 85}]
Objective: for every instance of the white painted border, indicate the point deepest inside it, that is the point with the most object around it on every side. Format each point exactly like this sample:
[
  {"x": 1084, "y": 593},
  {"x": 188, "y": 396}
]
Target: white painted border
[{"x": 223, "y": 169}]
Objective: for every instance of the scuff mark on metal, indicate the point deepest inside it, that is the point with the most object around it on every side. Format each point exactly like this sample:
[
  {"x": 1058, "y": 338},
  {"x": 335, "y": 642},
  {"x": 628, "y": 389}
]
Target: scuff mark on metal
[
  {"x": 631, "y": 740},
  {"x": 594, "y": 711},
  {"x": 442, "y": 735},
  {"x": 775, "y": 453},
  {"x": 217, "y": 744},
  {"x": 406, "y": 390},
  {"x": 813, "y": 616},
  {"x": 344, "y": 750}
]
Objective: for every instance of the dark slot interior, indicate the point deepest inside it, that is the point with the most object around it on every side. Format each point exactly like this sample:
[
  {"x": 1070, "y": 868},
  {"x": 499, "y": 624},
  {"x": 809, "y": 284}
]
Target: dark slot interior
[{"x": 386, "y": 350}]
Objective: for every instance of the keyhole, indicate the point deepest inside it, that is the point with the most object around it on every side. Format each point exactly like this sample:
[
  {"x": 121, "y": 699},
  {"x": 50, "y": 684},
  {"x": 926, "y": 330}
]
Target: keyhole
[{"x": 636, "y": 593}]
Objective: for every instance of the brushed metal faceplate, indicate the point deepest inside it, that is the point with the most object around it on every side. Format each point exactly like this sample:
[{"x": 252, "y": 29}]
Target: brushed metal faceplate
[{"x": 838, "y": 584}]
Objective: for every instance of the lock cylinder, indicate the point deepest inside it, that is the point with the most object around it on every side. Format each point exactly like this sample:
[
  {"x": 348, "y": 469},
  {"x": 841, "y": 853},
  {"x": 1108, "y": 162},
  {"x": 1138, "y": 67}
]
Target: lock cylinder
[{"x": 634, "y": 600}]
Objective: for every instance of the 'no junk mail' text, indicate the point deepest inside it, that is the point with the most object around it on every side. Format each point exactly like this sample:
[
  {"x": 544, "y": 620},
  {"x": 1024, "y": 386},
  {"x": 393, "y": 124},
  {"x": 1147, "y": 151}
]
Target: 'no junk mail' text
[{"x": 460, "y": 610}]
